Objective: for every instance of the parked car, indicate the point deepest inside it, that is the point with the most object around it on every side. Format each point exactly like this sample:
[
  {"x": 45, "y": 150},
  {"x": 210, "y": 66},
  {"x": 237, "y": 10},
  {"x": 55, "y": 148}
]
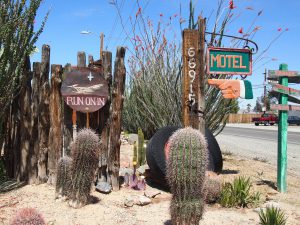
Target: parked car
[
  {"x": 294, "y": 120},
  {"x": 265, "y": 119}
]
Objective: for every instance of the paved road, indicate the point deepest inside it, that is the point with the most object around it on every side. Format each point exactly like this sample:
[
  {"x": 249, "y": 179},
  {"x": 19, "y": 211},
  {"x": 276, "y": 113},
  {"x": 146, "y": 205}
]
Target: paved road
[{"x": 260, "y": 142}]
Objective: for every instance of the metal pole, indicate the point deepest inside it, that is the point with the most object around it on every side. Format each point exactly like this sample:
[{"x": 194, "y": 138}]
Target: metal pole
[
  {"x": 101, "y": 45},
  {"x": 282, "y": 136},
  {"x": 265, "y": 90}
]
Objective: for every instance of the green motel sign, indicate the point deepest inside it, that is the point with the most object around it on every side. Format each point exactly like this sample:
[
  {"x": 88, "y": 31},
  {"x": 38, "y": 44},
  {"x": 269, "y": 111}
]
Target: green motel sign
[{"x": 230, "y": 61}]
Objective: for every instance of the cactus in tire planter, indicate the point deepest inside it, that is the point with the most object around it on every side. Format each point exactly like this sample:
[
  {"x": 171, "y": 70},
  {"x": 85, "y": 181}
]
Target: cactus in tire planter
[
  {"x": 28, "y": 216},
  {"x": 63, "y": 179},
  {"x": 186, "y": 166},
  {"x": 141, "y": 149},
  {"x": 85, "y": 152}
]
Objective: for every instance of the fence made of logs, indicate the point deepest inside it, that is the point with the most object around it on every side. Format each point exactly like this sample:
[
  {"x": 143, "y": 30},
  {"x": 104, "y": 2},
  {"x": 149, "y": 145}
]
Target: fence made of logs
[{"x": 39, "y": 126}]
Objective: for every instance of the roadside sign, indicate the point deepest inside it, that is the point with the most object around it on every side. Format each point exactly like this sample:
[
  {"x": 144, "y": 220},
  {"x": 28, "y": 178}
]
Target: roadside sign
[
  {"x": 84, "y": 89},
  {"x": 231, "y": 61},
  {"x": 285, "y": 90},
  {"x": 285, "y": 107},
  {"x": 282, "y": 73}
]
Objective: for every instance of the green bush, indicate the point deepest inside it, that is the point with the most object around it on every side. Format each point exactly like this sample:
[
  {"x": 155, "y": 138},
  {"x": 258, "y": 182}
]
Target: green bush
[
  {"x": 238, "y": 194},
  {"x": 272, "y": 216}
]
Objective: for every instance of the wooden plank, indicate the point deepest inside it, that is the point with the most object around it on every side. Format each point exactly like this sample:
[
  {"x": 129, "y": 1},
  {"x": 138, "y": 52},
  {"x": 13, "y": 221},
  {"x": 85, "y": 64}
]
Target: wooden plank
[
  {"x": 190, "y": 76},
  {"x": 285, "y": 107},
  {"x": 56, "y": 119},
  {"x": 282, "y": 73},
  {"x": 116, "y": 118},
  {"x": 285, "y": 90},
  {"x": 43, "y": 110}
]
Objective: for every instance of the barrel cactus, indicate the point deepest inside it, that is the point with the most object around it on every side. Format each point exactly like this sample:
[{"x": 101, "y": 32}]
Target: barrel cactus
[
  {"x": 85, "y": 154},
  {"x": 63, "y": 179},
  {"x": 186, "y": 166},
  {"x": 28, "y": 216}
]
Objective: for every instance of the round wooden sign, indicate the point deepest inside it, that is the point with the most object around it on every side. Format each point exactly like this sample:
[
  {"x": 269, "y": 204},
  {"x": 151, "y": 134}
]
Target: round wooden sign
[{"x": 84, "y": 89}]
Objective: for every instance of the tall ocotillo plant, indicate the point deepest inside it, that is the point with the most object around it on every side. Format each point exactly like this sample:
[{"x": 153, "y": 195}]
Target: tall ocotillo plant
[
  {"x": 85, "y": 151},
  {"x": 63, "y": 179},
  {"x": 141, "y": 149},
  {"x": 186, "y": 165}
]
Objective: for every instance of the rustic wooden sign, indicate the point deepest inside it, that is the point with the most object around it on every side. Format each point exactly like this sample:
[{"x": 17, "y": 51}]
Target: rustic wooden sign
[
  {"x": 190, "y": 75},
  {"x": 285, "y": 90},
  {"x": 229, "y": 61},
  {"x": 285, "y": 107},
  {"x": 84, "y": 89},
  {"x": 283, "y": 73}
]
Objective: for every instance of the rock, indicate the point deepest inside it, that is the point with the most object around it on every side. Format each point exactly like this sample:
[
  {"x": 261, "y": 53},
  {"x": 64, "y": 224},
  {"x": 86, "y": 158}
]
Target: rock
[
  {"x": 143, "y": 200},
  {"x": 132, "y": 138},
  {"x": 137, "y": 200},
  {"x": 152, "y": 193},
  {"x": 129, "y": 202},
  {"x": 257, "y": 210},
  {"x": 270, "y": 204},
  {"x": 123, "y": 171},
  {"x": 142, "y": 169},
  {"x": 103, "y": 187}
]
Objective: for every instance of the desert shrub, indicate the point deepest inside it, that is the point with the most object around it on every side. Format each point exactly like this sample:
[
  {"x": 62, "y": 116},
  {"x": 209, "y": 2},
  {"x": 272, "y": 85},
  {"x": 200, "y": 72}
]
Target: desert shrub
[
  {"x": 85, "y": 154},
  {"x": 212, "y": 189},
  {"x": 238, "y": 194},
  {"x": 28, "y": 216},
  {"x": 272, "y": 216}
]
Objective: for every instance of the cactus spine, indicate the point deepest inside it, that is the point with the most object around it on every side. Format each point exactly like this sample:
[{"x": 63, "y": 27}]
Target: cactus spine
[
  {"x": 141, "y": 149},
  {"x": 63, "y": 179},
  {"x": 85, "y": 151},
  {"x": 186, "y": 168}
]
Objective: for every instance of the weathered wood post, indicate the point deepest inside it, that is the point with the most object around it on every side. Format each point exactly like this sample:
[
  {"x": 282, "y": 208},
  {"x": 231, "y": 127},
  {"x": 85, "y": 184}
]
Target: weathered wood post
[
  {"x": 116, "y": 117},
  {"x": 282, "y": 135},
  {"x": 82, "y": 118},
  {"x": 43, "y": 112},
  {"x": 25, "y": 123},
  {"x": 55, "y": 135},
  {"x": 194, "y": 77},
  {"x": 34, "y": 142},
  {"x": 104, "y": 113}
]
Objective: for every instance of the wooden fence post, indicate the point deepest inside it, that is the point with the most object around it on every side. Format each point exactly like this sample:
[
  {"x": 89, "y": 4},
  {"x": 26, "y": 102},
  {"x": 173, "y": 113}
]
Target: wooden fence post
[
  {"x": 25, "y": 124},
  {"x": 116, "y": 116},
  {"x": 55, "y": 134},
  {"x": 104, "y": 116},
  {"x": 34, "y": 142},
  {"x": 43, "y": 113}
]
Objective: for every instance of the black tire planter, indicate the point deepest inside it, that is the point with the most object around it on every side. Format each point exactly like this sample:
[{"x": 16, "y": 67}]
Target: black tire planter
[{"x": 155, "y": 153}]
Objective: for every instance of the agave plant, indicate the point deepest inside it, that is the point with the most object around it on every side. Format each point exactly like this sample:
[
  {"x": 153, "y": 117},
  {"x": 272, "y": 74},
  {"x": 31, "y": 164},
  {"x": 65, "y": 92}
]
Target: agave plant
[{"x": 272, "y": 216}]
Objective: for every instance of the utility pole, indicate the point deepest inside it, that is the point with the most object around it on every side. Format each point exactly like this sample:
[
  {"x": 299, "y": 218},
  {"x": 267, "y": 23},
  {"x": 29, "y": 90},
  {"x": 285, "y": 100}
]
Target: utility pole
[
  {"x": 101, "y": 45},
  {"x": 265, "y": 91}
]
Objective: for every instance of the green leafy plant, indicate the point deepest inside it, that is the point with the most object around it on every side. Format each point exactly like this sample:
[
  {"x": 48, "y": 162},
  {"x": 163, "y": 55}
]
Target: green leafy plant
[
  {"x": 85, "y": 154},
  {"x": 28, "y": 216},
  {"x": 272, "y": 216},
  {"x": 186, "y": 166},
  {"x": 238, "y": 194}
]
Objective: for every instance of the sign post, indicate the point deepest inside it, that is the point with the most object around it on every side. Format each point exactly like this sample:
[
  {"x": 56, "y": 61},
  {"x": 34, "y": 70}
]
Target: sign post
[{"x": 282, "y": 135}]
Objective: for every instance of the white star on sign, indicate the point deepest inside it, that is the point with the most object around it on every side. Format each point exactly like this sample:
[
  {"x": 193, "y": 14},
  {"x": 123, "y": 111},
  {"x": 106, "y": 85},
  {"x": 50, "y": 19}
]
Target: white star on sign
[{"x": 90, "y": 76}]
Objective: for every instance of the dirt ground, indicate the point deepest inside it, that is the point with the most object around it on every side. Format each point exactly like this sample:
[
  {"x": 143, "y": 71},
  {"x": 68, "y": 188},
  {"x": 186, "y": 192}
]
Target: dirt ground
[{"x": 110, "y": 209}]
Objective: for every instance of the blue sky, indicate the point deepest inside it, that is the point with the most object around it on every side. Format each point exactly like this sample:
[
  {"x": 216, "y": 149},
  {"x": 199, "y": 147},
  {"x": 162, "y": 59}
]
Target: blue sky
[{"x": 68, "y": 18}]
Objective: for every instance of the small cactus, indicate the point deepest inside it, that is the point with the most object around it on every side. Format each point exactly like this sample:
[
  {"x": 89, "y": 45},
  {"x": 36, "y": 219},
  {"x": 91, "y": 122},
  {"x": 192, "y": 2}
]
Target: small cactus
[
  {"x": 186, "y": 166},
  {"x": 141, "y": 148},
  {"x": 85, "y": 151},
  {"x": 63, "y": 179},
  {"x": 28, "y": 216},
  {"x": 134, "y": 160}
]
